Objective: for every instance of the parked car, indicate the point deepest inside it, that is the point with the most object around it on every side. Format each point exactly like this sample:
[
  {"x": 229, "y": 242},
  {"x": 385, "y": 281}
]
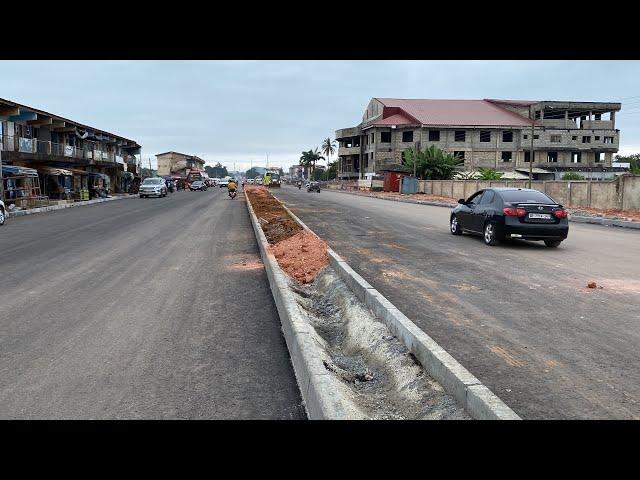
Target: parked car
[
  {"x": 3, "y": 213},
  {"x": 198, "y": 185},
  {"x": 506, "y": 213},
  {"x": 313, "y": 187},
  {"x": 223, "y": 183},
  {"x": 154, "y": 186}
]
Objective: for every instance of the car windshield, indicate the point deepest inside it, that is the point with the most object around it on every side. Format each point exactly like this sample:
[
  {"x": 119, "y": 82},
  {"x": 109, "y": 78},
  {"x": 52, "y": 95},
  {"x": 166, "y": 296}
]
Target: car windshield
[
  {"x": 151, "y": 181},
  {"x": 525, "y": 196}
]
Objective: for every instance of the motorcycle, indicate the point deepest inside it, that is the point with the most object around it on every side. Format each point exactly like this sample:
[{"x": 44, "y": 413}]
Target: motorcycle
[
  {"x": 299, "y": 186},
  {"x": 232, "y": 194}
]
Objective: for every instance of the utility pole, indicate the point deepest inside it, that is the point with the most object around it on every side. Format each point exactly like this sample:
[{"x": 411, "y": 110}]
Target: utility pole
[
  {"x": 531, "y": 114},
  {"x": 150, "y": 174}
]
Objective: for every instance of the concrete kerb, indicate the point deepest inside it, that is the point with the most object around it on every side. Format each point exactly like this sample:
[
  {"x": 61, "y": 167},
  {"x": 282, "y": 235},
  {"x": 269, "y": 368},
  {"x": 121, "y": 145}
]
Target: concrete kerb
[
  {"x": 318, "y": 394},
  {"x": 478, "y": 401},
  {"x": 610, "y": 222},
  {"x": 51, "y": 208}
]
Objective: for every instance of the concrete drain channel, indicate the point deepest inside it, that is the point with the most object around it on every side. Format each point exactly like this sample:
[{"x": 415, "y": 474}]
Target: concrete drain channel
[{"x": 356, "y": 356}]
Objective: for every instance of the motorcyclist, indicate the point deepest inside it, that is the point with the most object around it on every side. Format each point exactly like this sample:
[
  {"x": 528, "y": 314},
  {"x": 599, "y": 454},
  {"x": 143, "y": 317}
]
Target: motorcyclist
[
  {"x": 299, "y": 184},
  {"x": 232, "y": 186}
]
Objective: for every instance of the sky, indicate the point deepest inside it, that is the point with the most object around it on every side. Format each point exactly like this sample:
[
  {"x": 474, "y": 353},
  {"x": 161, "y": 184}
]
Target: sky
[{"x": 238, "y": 112}]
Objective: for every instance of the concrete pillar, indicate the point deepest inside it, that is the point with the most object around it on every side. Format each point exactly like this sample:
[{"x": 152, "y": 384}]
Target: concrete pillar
[
  {"x": 566, "y": 119},
  {"x": 613, "y": 120}
]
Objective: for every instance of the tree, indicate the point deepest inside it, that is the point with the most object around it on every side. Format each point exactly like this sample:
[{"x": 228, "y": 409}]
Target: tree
[
  {"x": 489, "y": 174},
  {"x": 252, "y": 173},
  {"x": 572, "y": 176},
  {"x": 332, "y": 170},
  {"x": 217, "y": 171},
  {"x": 328, "y": 147},
  {"x": 432, "y": 163},
  {"x": 310, "y": 158},
  {"x": 633, "y": 160}
]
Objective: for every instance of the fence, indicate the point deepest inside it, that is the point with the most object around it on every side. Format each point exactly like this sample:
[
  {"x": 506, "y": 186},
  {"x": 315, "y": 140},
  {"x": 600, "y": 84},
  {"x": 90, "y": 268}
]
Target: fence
[{"x": 621, "y": 193}]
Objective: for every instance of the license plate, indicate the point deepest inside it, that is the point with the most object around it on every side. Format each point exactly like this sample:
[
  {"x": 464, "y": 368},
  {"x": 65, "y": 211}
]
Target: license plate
[{"x": 546, "y": 216}]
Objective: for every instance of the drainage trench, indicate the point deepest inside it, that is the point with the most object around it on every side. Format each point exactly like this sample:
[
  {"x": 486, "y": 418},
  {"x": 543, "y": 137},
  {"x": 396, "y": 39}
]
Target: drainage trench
[{"x": 375, "y": 370}]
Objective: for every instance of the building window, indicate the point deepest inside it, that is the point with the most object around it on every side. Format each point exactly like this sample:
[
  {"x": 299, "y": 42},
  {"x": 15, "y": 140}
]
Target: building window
[
  {"x": 599, "y": 157},
  {"x": 459, "y": 154},
  {"x": 574, "y": 137},
  {"x": 407, "y": 136},
  {"x": 434, "y": 135},
  {"x": 586, "y": 139},
  {"x": 507, "y": 136},
  {"x": 555, "y": 138},
  {"x": 525, "y": 136},
  {"x": 507, "y": 156},
  {"x": 459, "y": 136},
  {"x": 536, "y": 137},
  {"x": 485, "y": 135},
  {"x": 373, "y": 139},
  {"x": 597, "y": 138},
  {"x": 537, "y": 115},
  {"x": 552, "y": 157},
  {"x": 576, "y": 157},
  {"x": 608, "y": 139},
  {"x": 385, "y": 137},
  {"x": 527, "y": 156}
]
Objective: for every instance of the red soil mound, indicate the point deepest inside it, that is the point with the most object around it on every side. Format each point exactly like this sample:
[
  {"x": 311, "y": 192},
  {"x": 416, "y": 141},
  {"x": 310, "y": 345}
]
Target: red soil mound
[{"x": 301, "y": 256}]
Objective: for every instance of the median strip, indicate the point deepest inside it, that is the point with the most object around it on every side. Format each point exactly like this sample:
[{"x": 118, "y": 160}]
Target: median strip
[{"x": 355, "y": 355}]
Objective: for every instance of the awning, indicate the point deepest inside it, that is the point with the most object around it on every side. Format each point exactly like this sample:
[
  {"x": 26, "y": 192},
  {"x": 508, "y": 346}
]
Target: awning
[
  {"x": 14, "y": 170},
  {"x": 55, "y": 171},
  {"x": 533, "y": 170}
]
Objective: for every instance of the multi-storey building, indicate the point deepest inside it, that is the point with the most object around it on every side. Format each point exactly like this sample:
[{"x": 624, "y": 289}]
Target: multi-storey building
[
  {"x": 37, "y": 139},
  {"x": 174, "y": 163},
  {"x": 486, "y": 133}
]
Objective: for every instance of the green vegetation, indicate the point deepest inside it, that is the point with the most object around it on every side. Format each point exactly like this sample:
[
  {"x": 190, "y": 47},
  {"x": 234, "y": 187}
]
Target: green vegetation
[
  {"x": 432, "y": 163},
  {"x": 634, "y": 160},
  {"x": 217, "y": 171},
  {"x": 310, "y": 158},
  {"x": 489, "y": 174},
  {"x": 572, "y": 176}
]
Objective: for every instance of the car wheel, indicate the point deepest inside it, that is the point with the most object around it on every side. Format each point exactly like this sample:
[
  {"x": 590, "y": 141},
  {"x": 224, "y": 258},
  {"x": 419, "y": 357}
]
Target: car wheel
[
  {"x": 3, "y": 216},
  {"x": 489, "y": 234},
  {"x": 552, "y": 243},
  {"x": 456, "y": 229}
]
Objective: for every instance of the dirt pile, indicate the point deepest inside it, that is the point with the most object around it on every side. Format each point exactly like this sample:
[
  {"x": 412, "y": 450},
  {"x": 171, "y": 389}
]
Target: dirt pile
[
  {"x": 302, "y": 256},
  {"x": 299, "y": 253},
  {"x": 276, "y": 223}
]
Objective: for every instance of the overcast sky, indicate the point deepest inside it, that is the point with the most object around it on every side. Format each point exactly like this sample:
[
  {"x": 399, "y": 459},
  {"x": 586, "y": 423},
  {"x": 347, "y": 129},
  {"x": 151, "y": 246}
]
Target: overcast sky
[{"x": 240, "y": 111}]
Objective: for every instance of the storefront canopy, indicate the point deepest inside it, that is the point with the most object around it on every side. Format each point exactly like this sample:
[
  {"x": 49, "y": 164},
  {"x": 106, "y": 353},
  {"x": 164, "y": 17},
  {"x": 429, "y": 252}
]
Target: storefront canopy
[
  {"x": 56, "y": 171},
  {"x": 15, "y": 171}
]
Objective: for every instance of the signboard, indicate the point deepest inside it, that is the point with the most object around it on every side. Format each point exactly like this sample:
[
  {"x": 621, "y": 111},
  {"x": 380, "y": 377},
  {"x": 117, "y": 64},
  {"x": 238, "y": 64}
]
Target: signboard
[
  {"x": 68, "y": 151},
  {"x": 26, "y": 145},
  {"x": 621, "y": 164}
]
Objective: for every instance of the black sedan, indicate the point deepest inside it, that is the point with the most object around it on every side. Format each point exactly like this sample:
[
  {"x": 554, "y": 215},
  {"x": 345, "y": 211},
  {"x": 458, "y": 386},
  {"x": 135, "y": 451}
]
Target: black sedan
[
  {"x": 314, "y": 187},
  {"x": 506, "y": 213}
]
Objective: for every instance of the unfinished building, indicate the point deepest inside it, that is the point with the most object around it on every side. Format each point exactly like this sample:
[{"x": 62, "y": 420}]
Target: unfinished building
[
  {"x": 174, "y": 163},
  {"x": 489, "y": 133}
]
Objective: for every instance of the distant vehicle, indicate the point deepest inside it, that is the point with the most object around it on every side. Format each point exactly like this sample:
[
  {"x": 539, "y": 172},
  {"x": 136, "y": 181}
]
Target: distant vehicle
[
  {"x": 506, "y": 213},
  {"x": 251, "y": 181},
  {"x": 154, "y": 186},
  {"x": 3, "y": 213},
  {"x": 307, "y": 184},
  {"x": 223, "y": 182},
  {"x": 259, "y": 181},
  {"x": 198, "y": 185},
  {"x": 313, "y": 187},
  {"x": 272, "y": 179}
]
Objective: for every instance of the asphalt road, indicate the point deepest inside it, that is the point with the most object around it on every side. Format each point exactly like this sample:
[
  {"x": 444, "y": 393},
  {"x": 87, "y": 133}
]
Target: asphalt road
[
  {"x": 141, "y": 308},
  {"x": 519, "y": 317}
]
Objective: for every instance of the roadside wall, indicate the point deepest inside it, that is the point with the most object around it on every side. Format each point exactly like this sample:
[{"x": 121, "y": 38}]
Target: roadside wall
[{"x": 621, "y": 193}]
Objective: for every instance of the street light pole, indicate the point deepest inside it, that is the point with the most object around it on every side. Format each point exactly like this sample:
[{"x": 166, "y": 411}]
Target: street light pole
[{"x": 531, "y": 152}]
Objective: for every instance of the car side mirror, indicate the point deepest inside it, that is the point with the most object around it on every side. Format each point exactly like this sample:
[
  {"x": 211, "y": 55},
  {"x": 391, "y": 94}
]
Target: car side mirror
[{"x": 462, "y": 202}]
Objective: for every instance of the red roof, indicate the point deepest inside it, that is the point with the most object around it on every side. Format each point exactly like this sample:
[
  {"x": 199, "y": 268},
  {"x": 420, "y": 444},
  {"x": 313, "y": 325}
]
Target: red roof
[
  {"x": 451, "y": 112},
  {"x": 396, "y": 119}
]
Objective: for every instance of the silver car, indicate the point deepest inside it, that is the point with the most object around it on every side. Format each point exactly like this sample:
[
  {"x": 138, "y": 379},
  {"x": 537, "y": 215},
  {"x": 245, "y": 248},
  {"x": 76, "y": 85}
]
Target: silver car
[
  {"x": 3, "y": 213},
  {"x": 155, "y": 186}
]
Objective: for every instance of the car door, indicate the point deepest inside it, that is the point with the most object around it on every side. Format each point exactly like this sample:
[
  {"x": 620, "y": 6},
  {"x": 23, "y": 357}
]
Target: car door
[
  {"x": 483, "y": 210},
  {"x": 468, "y": 212}
]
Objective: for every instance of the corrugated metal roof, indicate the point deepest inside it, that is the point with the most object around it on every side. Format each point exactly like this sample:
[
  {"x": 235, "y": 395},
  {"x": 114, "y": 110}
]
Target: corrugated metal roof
[
  {"x": 457, "y": 112},
  {"x": 396, "y": 119}
]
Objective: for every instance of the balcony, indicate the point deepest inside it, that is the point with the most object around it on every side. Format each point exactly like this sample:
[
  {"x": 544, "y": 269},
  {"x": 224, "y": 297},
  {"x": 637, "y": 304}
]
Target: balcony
[
  {"x": 597, "y": 125},
  {"x": 39, "y": 147},
  {"x": 348, "y": 132},
  {"x": 343, "y": 151}
]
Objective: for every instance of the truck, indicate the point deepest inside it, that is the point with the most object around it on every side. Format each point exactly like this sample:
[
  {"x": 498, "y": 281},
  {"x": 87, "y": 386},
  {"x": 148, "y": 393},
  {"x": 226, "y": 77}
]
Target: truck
[{"x": 272, "y": 179}]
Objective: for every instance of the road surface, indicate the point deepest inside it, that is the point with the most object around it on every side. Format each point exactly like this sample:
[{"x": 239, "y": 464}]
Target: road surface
[
  {"x": 140, "y": 308},
  {"x": 519, "y": 317}
]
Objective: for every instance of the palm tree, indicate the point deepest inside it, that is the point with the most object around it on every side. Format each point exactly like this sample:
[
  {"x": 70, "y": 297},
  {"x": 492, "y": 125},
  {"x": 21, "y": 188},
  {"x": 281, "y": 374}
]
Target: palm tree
[
  {"x": 328, "y": 147},
  {"x": 310, "y": 159}
]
